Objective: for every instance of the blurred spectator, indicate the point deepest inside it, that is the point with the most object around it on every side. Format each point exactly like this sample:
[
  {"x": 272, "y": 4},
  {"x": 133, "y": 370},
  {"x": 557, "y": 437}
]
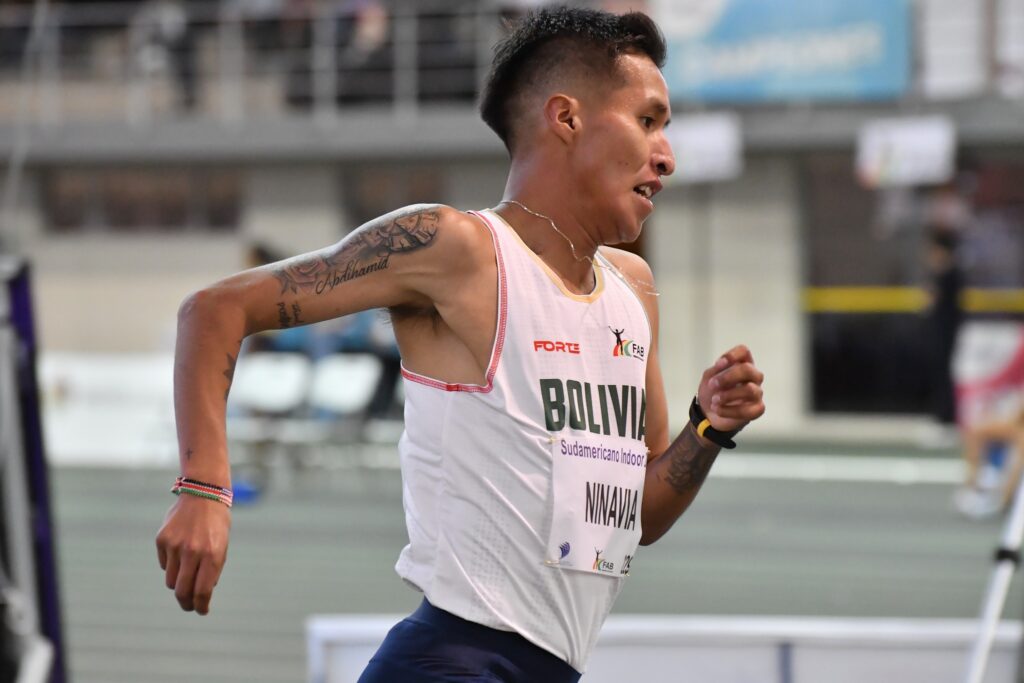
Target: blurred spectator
[
  {"x": 365, "y": 61},
  {"x": 447, "y": 53},
  {"x": 949, "y": 206},
  {"x": 14, "y": 32},
  {"x": 296, "y": 43},
  {"x": 261, "y": 23},
  {"x": 994, "y": 458},
  {"x": 363, "y": 53},
  {"x": 162, "y": 39},
  {"x": 943, "y": 320}
]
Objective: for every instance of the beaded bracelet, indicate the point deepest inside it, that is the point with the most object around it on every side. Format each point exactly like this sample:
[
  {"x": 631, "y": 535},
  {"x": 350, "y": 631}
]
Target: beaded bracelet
[{"x": 202, "y": 489}]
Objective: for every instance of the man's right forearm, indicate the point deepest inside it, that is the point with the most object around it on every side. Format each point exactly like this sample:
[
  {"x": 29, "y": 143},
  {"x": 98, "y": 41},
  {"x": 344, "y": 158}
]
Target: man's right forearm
[{"x": 210, "y": 333}]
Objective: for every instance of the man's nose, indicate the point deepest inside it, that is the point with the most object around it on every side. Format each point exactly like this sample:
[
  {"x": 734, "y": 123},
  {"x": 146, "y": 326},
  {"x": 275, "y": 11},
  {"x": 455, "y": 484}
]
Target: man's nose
[{"x": 664, "y": 160}]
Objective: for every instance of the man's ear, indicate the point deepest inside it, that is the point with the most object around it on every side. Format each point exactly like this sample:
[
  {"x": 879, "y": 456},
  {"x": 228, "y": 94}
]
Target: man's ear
[{"x": 561, "y": 114}]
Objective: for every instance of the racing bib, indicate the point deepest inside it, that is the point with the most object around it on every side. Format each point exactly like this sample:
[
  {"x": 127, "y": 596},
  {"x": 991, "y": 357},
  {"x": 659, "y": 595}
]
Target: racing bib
[{"x": 598, "y": 485}]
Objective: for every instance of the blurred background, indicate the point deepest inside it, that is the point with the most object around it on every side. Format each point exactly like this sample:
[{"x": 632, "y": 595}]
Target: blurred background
[{"x": 849, "y": 202}]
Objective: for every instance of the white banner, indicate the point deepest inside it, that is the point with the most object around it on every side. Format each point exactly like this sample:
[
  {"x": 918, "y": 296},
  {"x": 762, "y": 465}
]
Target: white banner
[
  {"x": 708, "y": 147},
  {"x": 906, "y": 151}
]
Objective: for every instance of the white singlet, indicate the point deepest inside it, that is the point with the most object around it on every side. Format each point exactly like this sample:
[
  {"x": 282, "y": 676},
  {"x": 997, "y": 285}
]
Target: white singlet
[{"x": 522, "y": 495}]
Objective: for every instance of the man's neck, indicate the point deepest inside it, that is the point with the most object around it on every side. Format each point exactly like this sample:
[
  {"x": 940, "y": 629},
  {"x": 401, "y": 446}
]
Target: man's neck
[
  {"x": 544, "y": 218},
  {"x": 571, "y": 259}
]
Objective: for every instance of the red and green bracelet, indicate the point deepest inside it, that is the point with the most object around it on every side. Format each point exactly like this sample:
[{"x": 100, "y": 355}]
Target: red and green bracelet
[{"x": 202, "y": 489}]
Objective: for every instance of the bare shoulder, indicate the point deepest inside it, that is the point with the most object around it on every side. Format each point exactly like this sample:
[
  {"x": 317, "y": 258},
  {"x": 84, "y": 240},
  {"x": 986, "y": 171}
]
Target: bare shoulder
[
  {"x": 636, "y": 270},
  {"x": 408, "y": 256},
  {"x": 459, "y": 253},
  {"x": 430, "y": 236},
  {"x": 409, "y": 227},
  {"x": 467, "y": 233},
  {"x": 626, "y": 261},
  {"x": 458, "y": 236}
]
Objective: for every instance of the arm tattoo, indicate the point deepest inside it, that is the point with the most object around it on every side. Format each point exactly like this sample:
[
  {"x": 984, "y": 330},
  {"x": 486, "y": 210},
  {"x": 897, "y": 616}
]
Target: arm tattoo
[
  {"x": 188, "y": 454},
  {"x": 366, "y": 251},
  {"x": 282, "y": 315},
  {"x": 230, "y": 374},
  {"x": 689, "y": 462}
]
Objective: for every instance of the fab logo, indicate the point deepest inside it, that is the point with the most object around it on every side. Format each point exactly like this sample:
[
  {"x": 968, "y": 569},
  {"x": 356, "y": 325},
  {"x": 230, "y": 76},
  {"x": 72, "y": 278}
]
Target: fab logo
[
  {"x": 626, "y": 348},
  {"x": 601, "y": 564}
]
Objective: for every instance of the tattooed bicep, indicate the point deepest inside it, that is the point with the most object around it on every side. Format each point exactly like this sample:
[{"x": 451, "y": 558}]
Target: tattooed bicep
[
  {"x": 406, "y": 232},
  {"x": 367, "y": 250}
]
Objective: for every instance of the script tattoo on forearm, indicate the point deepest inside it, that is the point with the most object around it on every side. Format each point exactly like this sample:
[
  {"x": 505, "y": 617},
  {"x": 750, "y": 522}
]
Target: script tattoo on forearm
[
  {"x": 282, "y": 315},
  {"x": 367, "y": 251},
  {"x": 230, "y": 374},
  {"x": 688, "y": 462}
]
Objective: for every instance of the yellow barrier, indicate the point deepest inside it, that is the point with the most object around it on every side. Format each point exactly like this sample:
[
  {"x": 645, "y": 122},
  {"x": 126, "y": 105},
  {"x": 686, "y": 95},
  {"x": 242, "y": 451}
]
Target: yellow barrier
[
  {"x": 864, "y": 299},
  {"x": 906, "y": 300},
  {"x": 993, "y": 300}
]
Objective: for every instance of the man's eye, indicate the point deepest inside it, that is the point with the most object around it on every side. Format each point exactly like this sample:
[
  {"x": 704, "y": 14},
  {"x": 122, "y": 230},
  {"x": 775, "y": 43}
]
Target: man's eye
[{"x": 648, "y": 121}]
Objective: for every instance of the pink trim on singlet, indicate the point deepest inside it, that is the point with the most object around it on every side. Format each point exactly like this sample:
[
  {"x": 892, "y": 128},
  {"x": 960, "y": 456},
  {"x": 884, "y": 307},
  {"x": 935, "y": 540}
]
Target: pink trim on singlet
[{"x": 499, "y": 337}]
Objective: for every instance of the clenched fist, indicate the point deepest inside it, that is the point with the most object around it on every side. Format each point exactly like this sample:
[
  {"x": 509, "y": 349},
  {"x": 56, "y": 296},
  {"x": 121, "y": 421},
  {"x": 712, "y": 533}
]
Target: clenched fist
[
  {"x": 730, "y": 392},
  {"x": 192, "y": 546}
]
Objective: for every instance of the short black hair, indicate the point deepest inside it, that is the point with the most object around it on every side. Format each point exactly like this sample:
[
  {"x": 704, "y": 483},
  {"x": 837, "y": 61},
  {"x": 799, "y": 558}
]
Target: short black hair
[{"x": 553, "y": 39}]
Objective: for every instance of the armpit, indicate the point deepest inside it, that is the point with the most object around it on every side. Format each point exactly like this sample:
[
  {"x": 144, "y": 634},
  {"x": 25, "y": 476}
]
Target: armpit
[{"x": 413, "y": 314}]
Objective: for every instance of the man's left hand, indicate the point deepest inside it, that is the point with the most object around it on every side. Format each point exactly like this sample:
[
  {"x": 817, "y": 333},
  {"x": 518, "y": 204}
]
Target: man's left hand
[{"x": 730, "y": 392}]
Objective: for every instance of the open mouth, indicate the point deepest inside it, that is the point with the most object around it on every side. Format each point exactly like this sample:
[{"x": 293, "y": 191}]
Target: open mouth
[{"x": 645, "y": 191}]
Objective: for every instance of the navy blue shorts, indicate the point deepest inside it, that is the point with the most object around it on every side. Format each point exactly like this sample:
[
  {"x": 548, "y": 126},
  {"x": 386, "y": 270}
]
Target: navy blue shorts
[{"x": 434, "y": 646}]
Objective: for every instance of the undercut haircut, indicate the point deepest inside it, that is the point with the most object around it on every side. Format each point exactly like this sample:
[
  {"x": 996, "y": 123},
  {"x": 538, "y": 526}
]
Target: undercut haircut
[{"x": 561, "y": 40}]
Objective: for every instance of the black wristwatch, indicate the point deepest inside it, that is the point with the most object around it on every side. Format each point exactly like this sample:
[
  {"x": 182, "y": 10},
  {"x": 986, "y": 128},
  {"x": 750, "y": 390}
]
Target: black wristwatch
[{"x": 703, "y": 426}]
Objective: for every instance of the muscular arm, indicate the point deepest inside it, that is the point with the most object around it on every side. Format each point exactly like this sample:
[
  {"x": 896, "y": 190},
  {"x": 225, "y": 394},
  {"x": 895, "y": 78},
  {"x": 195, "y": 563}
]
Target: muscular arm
[
  {"x": 413, "y": 257},
  {"x": 383, "y": 263},
  {"x": 677, "y": 470}
]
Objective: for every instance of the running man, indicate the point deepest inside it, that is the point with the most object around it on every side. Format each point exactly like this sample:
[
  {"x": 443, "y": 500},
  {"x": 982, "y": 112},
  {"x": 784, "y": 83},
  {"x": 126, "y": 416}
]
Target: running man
[{"x": 536, "y": 455}]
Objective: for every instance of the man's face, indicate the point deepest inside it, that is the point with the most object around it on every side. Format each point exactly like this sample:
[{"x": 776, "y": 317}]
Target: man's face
[{"x": 622, "y": 150}]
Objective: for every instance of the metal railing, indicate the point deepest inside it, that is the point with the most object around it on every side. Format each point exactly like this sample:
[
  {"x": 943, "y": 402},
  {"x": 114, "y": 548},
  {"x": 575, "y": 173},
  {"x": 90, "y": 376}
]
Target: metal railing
[
  {"x": 232, "y": 60},
  {"x": 240, "y": 59}
]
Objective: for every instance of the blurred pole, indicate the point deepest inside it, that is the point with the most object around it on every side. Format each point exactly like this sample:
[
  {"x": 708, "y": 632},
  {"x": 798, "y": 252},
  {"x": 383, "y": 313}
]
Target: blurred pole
[
  {"x": 485, "y": 22},
  {"x": 1007, "y": 559},
  {"x": 49, "y": 73},
  {"x": 990, "y": 40},
  {"x": 22, "y": 121},
  {"x": 406, "y": 62},
  {"x": 231, "y": 62},
  {"x": 31, "y": 467},
  {"x": 324, "y": 63},
  {"x": 139, "y": 105}
]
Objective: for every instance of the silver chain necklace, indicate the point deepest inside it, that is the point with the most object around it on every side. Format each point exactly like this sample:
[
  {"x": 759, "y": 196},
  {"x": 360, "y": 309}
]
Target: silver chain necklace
[
  {"x": 647, "y": 288},
  {"x": 555, "y": 227}
]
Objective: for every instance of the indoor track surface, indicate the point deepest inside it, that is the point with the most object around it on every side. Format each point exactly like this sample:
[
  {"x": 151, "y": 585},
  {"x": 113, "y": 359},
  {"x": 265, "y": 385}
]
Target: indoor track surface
[{"x": 325, "y": 541}]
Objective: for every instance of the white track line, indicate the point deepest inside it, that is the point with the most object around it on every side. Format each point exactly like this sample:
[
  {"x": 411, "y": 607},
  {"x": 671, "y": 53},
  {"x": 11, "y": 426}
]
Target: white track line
[{"x": 876, "y": 469}]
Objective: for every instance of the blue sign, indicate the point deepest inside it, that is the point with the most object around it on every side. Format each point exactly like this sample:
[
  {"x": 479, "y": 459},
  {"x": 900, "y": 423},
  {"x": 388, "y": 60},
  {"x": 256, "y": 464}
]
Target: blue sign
[{"x": 775, "y": 50}]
